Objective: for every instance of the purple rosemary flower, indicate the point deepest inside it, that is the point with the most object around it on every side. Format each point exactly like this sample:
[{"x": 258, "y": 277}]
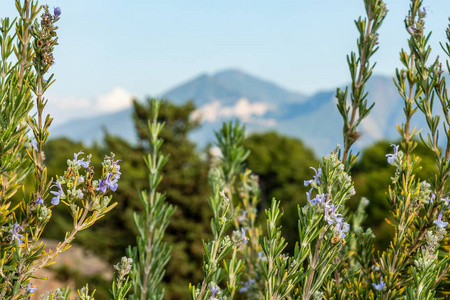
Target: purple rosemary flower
[
  {"x": 410, "y": 29},
  {"x": 58, "y": 194},
  {"x": 246, "y": 285},
  {"x": 439, "y": 223},
  {"x": 380, "y": 285},
  {"x": 116, "y": 171},
  {"x": 242, "y": 217},
  {"x": 108, "y": 183},
  {"x": 30, "y": 289},
  {"x": 215, "y": 291},
  {"x": 308, "y": 197},
  {"x": 341, "y": 227},
  {"x": 315, "y": 177},
  {"x": 330, "y": 214},
  {"x": 39, "y": 201},
  {"x": 432, "y": 197},
  {"x": 446, "y": 201},
  {"x": 57, "y": 12},
  {"x": 320, "y": 199},
  {"x": 244, "y": 238},
  {"x": 82, "y": 162},
  {"x": 15, "y": 234},
  {"x": 391, "y": 157}
]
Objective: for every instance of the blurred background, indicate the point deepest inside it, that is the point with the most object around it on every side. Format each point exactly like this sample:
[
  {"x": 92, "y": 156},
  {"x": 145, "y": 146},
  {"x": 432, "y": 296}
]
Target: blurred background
[{"x": 273, "y": 65}]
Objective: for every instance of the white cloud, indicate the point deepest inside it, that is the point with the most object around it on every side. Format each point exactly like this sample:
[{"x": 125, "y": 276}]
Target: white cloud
[
  {"x": 116, "y": 100},
  {"x": 371, "y": 128},
  {"x": 208, "y": 112},
  {"x": 243, "y": 110},
  {"x": 69, "y": 108}
]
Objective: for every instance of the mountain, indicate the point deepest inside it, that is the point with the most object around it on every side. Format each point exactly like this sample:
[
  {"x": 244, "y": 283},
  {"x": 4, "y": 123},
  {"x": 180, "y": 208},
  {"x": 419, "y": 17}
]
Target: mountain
[
  {"x": 91, "y": 130},
  {"x": 263, "y": 106},
  {"x": 228, "y": 86}
]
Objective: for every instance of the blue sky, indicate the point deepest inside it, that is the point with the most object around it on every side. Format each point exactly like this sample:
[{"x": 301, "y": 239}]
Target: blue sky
[{"x": 144, "y": 47}]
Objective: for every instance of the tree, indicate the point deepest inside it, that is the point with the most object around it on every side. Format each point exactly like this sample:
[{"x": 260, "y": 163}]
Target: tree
[
  {"x": 185, "y": 182},
  {"x": 282, "y": 164}
]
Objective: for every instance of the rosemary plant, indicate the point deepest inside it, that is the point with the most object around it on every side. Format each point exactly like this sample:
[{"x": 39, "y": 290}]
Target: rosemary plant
[
  {"x": 331, "y": 260},
  {"x": 87, "y": 198},
  {"x": 360, "y": 71},
  {"x": 151, "y": 254}
]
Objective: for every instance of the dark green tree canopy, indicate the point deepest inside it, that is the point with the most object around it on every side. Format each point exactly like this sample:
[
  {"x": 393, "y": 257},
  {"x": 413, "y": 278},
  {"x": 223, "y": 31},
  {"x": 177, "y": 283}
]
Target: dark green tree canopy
[{"x": 282, "y": 164}]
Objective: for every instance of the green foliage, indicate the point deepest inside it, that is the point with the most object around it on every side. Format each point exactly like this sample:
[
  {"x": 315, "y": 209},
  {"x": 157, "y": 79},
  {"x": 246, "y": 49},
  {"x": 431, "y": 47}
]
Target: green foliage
[
  {"x": 282, "y": 164},
  {"x": 372, "y": 175},
  {"x": 222, "y": 179},
  {"x": 326, "y": 259},
  {"x": 121, "y": 285},
  {"x": 280, "y": 272},
  {"x": 151, "y": 254},
  {"x": 360, "y": 70},
  {"x": 180, "y": 179}
]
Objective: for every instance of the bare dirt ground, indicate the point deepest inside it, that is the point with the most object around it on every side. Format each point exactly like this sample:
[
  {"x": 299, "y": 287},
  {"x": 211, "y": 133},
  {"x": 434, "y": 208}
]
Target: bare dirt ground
[{"x": 75, "y": 258}]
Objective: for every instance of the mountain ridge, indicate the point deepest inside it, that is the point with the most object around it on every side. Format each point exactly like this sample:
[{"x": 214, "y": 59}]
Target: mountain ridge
[{"x": 262, "y": 105}]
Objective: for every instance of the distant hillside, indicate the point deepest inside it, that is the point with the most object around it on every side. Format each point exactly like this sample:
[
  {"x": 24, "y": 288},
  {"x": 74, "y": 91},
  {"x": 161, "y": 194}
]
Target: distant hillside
[
  {"x": 262, "y": 105},
  {"x": 229, "y": 86}
]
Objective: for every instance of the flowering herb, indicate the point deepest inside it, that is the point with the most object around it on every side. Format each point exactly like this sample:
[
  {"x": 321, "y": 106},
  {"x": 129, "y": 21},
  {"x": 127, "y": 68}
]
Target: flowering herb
[
  {"x": 439, "y": 223},
  {"x": 391, "y": 157},
  {"x": 57, "y": 12},
  {"x": 332, "y": 259},
  {"x": 379, "y": 286},
  {"x": 16, "y": 236}
]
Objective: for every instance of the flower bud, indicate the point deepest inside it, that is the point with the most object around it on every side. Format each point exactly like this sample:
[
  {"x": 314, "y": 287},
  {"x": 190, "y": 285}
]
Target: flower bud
[{"x": 57, "y": 12}]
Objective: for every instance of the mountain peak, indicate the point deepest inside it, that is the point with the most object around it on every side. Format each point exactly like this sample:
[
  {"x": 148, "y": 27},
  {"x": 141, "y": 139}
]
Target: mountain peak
[
  {"x": 230, "y": 85},
  {"x": 231, "y": 72}
]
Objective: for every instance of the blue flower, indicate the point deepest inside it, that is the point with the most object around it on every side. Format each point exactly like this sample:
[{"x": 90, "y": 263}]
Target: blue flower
[
  {"x": 108, "y": 183},
  {"x": 246, "y": 285},
  {"x": 446, "y": 201},
  {"x": 380, "y": 285},
  {"x": 245, "y": 239},
  {"x": 308, "y": 197},
  {"x": 432, "y": 197},
  {"x": 320, "y": 199},
  {"x": 330, "y": 214},
  {"x": 315, "y": 177},
  {"x": 15, "y": 234},
  {"x": 391, "y": 157},
  {"x": 30, "y": 290},
  {"x": 439, "y": 223},
  {"x": 39, "y": 201},
  {"x": 116, "y": 169},
  {"x": 82, "y": 162},
  {"x": 57, "y": 12},
  {"x": 58, "y": 194},
  {"x": 215, "y": 291},
  {"x": 341, "y": 227}
]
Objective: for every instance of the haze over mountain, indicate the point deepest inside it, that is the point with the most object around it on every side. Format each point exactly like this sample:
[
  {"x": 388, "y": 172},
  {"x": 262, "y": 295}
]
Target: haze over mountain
[{"x": 263, "y": 106}]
